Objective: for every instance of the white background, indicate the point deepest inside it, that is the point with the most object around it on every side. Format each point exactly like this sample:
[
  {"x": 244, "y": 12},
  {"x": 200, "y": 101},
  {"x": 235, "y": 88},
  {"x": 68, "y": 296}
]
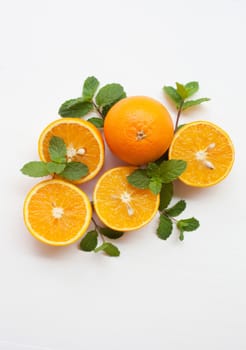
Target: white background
[{"x": 158, "y": 294}]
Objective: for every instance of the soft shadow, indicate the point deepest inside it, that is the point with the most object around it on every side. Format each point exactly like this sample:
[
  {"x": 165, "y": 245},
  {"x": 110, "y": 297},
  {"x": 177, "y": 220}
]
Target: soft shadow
[
  {"x": 50, "y": 252},
  {"x": 184, "y": 191}
]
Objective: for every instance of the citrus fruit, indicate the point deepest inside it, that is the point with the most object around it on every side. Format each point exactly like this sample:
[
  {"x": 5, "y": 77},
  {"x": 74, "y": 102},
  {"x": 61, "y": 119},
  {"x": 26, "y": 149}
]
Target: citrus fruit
[
  {"x": 121, "y": 206},
  {"x": 83, "y": 141},
  {"x": 138, "y": 129},
  {"x": 208, "y": 151},
  {"x": 57, "y": 212}
]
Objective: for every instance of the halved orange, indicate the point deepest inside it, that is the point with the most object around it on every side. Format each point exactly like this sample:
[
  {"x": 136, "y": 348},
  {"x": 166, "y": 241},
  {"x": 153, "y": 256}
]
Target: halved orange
[
  {"x": 208, "y": 151},
  {"x": 121, "y": 206},
  {"x": 83, "y": 140},
  {"x": 57, "y": 212}
]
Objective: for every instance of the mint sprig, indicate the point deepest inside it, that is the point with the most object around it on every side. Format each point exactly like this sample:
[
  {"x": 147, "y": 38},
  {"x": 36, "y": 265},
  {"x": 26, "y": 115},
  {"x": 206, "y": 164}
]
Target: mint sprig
[
  {"x": 159, "y": 178},
  {"x": 180, "y": 94},
  {"x": 59, "y": 164},
  {"x": 92, "y": 100},
  {"x": 157, "y": 174},
  {"x": 168, "y": 216},
  {"x": 90, "y": 241}
]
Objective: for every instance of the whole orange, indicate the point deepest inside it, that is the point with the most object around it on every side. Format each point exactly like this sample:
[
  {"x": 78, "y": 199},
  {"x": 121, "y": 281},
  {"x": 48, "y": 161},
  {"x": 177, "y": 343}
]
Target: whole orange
[{"x": 138, "y": 129}]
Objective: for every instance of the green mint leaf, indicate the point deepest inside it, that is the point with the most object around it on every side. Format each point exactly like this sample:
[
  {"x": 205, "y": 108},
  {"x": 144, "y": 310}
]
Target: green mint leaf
[
  {"x": 75, "y": 108},
  {"x": 109, "y": 249},
  {"x": 153, "y": 170},
  {"x": 35, "y": 169},
  {"x": 166, "y": 195},
  {"x": 74, "y": 171},
  {"x": 155, "y": 185},
  {"x": 138, "y": 178},
  {"x": 182, "y": 90},
  {"x": 106, "y": 108},
  {"x": 89, "y": 88},
  {"x": 57, "y": 149},
  {"x": 172, "y": 169},
  {"x": 89, "y": 242},
  {"x": 108, "y": 232},
  {"x": 108, "y": 94},
  {"x": 173, "y": 94},
  {"x": 191, "y": 88},
  {"x": 177, "y": 209},
  {"x": 98, "y": 122},
  {"x": 192, "y": 103},
  {"x": 55, "y": 168},
  {"x": 190, "y": 224},
  {"x": 165, "y": 227}
]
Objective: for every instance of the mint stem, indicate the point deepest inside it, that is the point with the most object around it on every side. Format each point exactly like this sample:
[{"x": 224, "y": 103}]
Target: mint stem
[
  {"x": 97, "y": 109},
  {"x": 97, "y": 229},
  {"x": 179, "y": 114},
  {"x": 170, "y": 217}
]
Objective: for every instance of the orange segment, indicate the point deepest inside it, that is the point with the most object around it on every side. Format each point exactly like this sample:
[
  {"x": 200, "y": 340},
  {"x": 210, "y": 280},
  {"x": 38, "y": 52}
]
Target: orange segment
[
  {"x": 208, "y": 151},
  {"x": 83, "y": 140},
  {"x": 57, "y": 212},
  {"x": 121, "y": 206}
]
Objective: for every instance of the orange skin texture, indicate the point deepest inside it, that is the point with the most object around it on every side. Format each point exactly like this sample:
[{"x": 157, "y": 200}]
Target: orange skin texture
[{"x": 138, "y": 130}]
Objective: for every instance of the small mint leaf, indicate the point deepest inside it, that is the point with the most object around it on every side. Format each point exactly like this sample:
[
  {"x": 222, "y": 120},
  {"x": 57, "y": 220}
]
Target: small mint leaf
[
  {"x": 55, "y": 168},
  {"x": 89, "y": 242},
  {"x": 173, "y": 94},
  {"x": 75, "y": 108},
  {"x": 108, "y": 232},
  {"x": 191, "y": 88},
  {"x": 89, "y": 88},
  {"x": 35, "y": 169},
  {"x": 155, "y": 185},
  {"x": 74, "y": 171},
  {"x": 109, "y": 248},
  {"x": 109, "y": 93},
  {"x": 165, "y": 227},
  {"x": 166, "y": 195},
  {"x": 172, "y": 169},
  {"x": 138, "y": 178},
  {"x": 57, "y": 149},
  {"x": 98, "y": 122},
  {"x": 192, "y": 103},
  {"x": 182, "y": 91},
  {"x": 190, "y": 224},
  {"x": 177, "y": 209}
]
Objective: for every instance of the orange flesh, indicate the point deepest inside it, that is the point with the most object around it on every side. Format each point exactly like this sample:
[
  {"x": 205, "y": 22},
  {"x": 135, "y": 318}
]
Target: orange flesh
[
  {"x": 203, "y": 136},
  {"x": 117, "y": 214},
  {"x": 39, "y": 207}
]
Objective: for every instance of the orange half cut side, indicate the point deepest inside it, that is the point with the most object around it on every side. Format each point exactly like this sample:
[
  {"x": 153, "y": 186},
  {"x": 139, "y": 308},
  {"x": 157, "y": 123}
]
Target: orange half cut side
[
  {"x": 121, "y": 206},
  {"x": 83, "y": 141},
  {"x": 57, "y": 212},
  {"x": 208, "y": 151}
]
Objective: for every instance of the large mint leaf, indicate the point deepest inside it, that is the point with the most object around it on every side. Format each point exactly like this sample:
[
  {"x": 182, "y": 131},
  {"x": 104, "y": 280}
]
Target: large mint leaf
[
  {"x": 109, "y": 93},
  {"x": 35, "y": 169},
  {"x": 171, "y": 169},
  {"x": 75, "y": 108}
]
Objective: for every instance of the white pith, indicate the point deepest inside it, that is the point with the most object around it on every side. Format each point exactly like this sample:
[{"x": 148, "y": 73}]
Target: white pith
[{"x": 57, "y": 212}]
